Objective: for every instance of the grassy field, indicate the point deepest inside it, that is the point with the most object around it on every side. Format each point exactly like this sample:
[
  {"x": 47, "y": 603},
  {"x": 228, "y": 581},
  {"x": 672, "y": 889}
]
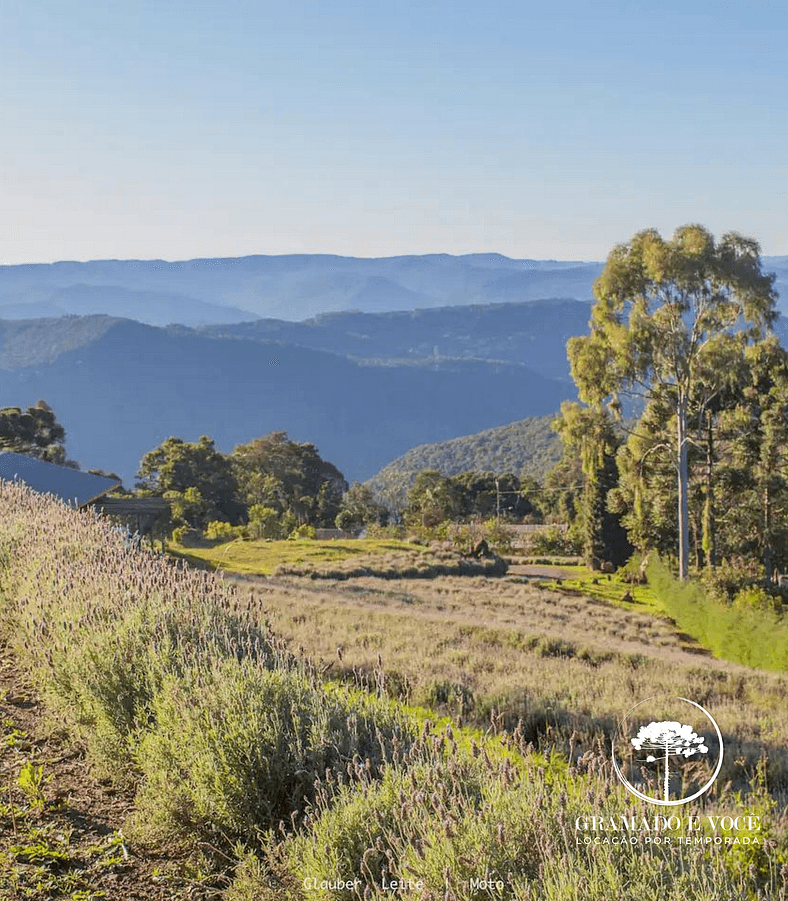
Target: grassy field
[
  {"x": 579, "y": 579},
  {"x": 263, "y": 557},
  {"x": 284, "y": 733}
]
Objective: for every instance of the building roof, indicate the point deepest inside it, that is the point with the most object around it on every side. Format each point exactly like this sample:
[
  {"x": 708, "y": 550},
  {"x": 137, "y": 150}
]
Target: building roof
[
  {"x": 68, "y": 485},
  {"x": 133, "y": 506}
]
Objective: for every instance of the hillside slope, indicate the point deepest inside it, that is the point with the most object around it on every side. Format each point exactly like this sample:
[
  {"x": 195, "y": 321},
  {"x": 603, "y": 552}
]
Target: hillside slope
[
  {"x": 120, "y": 388},
  {"x": 528, "y": 445},
  {"x": 533, "y": 333}
]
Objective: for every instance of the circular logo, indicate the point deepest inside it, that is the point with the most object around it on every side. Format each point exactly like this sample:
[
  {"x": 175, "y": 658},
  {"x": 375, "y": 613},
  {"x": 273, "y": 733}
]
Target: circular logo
[{"x": 667, "y": 750}]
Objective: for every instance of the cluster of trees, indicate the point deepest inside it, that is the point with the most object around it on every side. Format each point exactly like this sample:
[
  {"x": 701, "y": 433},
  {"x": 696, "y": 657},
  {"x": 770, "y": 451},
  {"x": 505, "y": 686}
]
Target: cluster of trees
[
  {"x": 434, "y": 498},
  {"x": 528, "y": 445},
  {"x": 275, "y": 485},
  {"x": 34, "y": 431},
  {"x": 682, "y": 444}
]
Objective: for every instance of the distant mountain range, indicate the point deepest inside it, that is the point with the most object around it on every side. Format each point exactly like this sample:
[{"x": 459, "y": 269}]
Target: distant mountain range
[
  {"x": 478, "y": 347},
  {"x": 296, "y": 287},
  {"x": 293, "y": 287},
  {"x": 121, "y": 387}
]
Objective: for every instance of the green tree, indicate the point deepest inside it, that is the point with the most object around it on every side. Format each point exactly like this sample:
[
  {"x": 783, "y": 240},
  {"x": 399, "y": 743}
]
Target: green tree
[
  {"x": 645, "y": 494},
  {"x": 756, "y": 475},
  {"x": 433, "y": 499},
  {"x": 482, "y": 495},
  {"x": 265, "y": 522},
  {"x": 197, "y": 477},
  {"x": 275, "y": 472},
  {"x": 660, "y": 308},
  {"x": 36, "y": 432},
  {"x": 359, "y": 508},
  {"x": 588, "y": 434}
]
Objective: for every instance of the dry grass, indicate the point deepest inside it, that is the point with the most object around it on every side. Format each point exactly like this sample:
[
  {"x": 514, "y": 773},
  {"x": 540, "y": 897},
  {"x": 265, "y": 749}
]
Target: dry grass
[
  {"x": 571, "y": 663},
  {"x": 251, "y": 754},
  {"x": 404, "y": 564}
]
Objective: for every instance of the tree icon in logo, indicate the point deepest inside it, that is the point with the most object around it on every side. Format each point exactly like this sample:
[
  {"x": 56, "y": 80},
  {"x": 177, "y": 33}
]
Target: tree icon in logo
[
  {"x": 667, "y": 732},
  {"x": 669, "y": 738}
]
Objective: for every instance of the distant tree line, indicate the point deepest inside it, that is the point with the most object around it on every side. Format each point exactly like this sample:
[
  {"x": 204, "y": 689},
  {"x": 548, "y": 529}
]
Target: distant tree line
[
  {"x": 526, "y": 445},
  {"x": 436, "y": 499},
  {"x": 273, "y": 486}
]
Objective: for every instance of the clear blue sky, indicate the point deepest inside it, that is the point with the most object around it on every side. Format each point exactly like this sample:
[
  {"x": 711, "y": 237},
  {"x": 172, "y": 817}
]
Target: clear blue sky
[{"x": 177, "y": 129}]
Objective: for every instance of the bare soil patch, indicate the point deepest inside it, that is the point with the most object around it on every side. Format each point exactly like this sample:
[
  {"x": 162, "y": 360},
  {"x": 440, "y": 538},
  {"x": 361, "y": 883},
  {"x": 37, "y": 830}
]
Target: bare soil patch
[{"x": 61, "y": 828}]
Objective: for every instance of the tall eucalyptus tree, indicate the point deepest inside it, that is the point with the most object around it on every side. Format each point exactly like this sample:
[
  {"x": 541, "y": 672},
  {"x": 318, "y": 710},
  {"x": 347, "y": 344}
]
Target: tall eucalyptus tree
[{"x": 661, "y": 309}]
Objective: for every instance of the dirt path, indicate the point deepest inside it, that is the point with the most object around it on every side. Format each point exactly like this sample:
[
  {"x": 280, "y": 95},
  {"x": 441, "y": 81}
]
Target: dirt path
[{"x": 538, "y": 571}]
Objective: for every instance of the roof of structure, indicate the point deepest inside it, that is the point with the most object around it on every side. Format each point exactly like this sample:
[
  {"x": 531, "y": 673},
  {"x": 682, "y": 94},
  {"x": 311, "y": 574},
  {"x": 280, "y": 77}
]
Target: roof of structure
[
  {"x": 134, "y": 506},
  {"x": 68, "y": 485}
]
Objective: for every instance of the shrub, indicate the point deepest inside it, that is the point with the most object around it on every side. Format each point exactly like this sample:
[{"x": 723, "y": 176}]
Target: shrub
[
  {"x": 179, "y": 534},
  {"x": 238, "y": 748},
  {"x": 491, "y": 836},
  {"x": 743, "y": 632},
  {"x": 726, "y": 580},
  {"x": 754, "y": 597},
  {"x": 367, "y": 830},
  {"x": 265, "y": 522},
  {"x": 442, "y": 818},
  {"x": 302, "y": 531},
  {"x": 499, "y": 536},
  {"x": 374, "y": 530},
  {"x": 454, "y": 696},
  {"x": 465, "y": 537},
  {"x": 552, "y": 541},
  {"x": 219, "y": 531}
]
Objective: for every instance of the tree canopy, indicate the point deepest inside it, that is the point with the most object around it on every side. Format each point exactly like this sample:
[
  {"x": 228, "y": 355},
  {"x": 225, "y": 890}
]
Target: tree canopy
[
  {"x": 667, "y": 313},
  {"x": 35, "y": 431},
  {"x": 435, "y": 498},
  {"x": 194, "y": 473},
  {"x": 275, "y": 472}
]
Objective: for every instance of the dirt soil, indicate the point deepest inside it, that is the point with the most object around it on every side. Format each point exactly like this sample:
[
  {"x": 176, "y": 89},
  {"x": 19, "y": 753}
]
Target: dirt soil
[{"x": 63, "y": 837}]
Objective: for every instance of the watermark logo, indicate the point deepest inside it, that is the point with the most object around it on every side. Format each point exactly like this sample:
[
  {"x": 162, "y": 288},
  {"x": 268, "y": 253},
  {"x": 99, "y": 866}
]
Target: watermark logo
[{"x": 667, "y": 750}]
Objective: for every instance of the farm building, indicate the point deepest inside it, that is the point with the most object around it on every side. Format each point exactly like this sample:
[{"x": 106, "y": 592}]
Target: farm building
[{"x": 83, "y": 490}]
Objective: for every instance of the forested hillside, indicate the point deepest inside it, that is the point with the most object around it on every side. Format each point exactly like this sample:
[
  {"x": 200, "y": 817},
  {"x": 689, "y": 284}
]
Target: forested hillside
[
  {"x": 527, "y": 446},
  {"x": 120, "y": 388},
  {"x": 533, "y": 333}
]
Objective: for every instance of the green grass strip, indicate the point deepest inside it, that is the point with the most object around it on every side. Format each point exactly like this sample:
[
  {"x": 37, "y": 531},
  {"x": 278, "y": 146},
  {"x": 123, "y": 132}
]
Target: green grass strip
[{"x": 757, "y": 638}]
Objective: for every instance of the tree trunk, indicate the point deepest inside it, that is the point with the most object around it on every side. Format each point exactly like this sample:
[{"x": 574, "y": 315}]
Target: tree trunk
[
  {"x": 709, "y": 524},
  {"x": 767, "y": 533},
  {"x": 683, "y": 485}
]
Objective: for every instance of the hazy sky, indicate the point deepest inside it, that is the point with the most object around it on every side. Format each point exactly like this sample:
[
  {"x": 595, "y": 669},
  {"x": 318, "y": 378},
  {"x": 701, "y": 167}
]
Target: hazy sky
[{"x": 176, "y": 129}]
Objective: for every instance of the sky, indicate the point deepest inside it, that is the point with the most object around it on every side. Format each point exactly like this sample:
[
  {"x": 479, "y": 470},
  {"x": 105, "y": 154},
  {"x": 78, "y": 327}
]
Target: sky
[{"x": 174, "y": 130}]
